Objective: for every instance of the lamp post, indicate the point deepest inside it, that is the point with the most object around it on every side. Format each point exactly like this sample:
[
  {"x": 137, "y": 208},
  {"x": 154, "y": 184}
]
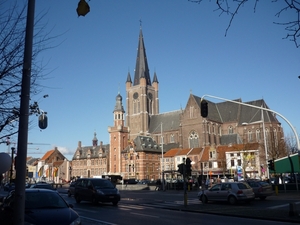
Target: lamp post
[{"x": 162, "y": 158}]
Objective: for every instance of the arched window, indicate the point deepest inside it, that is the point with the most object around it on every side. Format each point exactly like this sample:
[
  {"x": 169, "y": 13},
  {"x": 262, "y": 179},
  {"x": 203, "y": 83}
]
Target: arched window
[
  {"x": 172, "y": 138},
  {"x": 230, "y": 130},
  {"x": 258, "y": 135},
  {"x": 193, "y": 139},
  {"x": 250, "y": 138}
]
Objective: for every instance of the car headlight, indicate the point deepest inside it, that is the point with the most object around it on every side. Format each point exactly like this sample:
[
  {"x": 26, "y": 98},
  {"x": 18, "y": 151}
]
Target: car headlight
[{"x": 76, "y": 222}]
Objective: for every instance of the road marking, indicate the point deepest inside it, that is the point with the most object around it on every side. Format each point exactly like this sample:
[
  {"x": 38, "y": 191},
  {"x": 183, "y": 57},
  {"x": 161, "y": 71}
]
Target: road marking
[
  {"x": 98, "y": 221},
  {"x": 281, "y": 206},
  {"x": 142, "y": 214}
]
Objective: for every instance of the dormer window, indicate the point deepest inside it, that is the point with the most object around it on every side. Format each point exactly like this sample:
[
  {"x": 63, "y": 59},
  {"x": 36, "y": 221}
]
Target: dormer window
[{"x": 212, "y": 154}]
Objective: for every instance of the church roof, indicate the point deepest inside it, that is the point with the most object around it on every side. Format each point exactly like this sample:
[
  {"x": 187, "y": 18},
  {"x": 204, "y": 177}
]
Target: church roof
[{"x": 141, "y": 68}]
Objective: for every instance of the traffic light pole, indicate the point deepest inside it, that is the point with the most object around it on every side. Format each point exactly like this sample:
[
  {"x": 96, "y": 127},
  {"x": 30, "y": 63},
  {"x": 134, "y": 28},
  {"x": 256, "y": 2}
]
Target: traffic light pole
[{"x": 184, "y": 185}]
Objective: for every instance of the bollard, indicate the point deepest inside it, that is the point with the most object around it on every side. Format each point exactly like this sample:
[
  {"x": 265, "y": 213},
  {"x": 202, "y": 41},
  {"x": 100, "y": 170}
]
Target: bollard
[
  {"x": 292, "y": 209},
  {"x": 276, "y": 189}
]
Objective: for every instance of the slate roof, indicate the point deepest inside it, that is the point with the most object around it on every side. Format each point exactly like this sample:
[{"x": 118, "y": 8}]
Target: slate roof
[
  {"x": 148, "y": 144},
  {"x": 226, "y": 111},
  {"x": 170, "y": 121},
  {"x": 94, "y": 151}
]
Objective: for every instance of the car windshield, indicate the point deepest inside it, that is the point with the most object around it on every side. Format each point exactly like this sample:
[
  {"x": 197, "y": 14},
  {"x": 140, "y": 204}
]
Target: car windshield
[
  {"x": 262, "y": 183},
  {"x": 42, "y": 200},
  {"x": 102, "y": 184}
]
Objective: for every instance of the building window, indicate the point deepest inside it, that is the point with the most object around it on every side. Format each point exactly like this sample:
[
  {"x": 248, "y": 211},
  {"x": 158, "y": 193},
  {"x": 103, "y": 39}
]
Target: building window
[
  {"x": 232, "y": 163},
  {"x": 193, "y": 140},
  {"x": 230, "y": 130},
  {"x": 191, "y": 111},
  {"x": 250, "y": 139},
  {"x": 172, "y": 138},
  {"x": 258, "y": 135},
  {"x": 212, "y": 154}
]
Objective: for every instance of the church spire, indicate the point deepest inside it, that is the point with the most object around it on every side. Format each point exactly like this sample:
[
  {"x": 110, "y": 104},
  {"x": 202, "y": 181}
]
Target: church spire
[{"x": 141, "y": 68}]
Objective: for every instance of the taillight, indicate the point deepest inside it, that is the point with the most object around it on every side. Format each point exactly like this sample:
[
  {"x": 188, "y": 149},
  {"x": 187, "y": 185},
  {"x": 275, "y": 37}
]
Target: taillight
[
  {"x": 260, "y": 189},
  {"x": 239, "y": 192}
]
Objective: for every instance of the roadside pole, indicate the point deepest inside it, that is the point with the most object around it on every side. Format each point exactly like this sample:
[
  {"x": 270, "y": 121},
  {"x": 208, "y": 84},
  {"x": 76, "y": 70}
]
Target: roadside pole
[{"x": 184, "y": 184}]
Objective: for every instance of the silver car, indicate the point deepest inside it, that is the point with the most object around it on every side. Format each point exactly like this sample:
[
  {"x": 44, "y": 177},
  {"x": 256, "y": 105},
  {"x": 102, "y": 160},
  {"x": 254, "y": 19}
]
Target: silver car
[{"x": 231, "y": 192}]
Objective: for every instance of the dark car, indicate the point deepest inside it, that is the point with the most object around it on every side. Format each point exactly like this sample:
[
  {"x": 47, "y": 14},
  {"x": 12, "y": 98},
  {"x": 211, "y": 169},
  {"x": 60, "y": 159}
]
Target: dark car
[
  {"x": 42, "y": 206},
  {"x": 71, "y": 189},
  {"x": 130, "y": 181},
  {"x": 43, "y": 186},
  {"x": 9, "y": 187},
  {"x": 260, "y": 188},
  {"x": 96, "y": 190}
]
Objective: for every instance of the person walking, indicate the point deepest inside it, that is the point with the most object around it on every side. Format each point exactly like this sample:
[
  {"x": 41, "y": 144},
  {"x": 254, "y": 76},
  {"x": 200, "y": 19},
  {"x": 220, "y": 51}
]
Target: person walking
[{"x": 158, "y": 184}]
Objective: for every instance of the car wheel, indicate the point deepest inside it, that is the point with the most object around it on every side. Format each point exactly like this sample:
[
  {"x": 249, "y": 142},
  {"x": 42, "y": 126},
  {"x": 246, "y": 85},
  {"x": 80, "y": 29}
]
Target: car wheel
[
  {"x": 77, "y": 198},
  {"x": 262, "y": 197},
  {"x": 204, "y": 199},
  {"x": 232, "y": 200},
  {"x": 115, "y": 203}
]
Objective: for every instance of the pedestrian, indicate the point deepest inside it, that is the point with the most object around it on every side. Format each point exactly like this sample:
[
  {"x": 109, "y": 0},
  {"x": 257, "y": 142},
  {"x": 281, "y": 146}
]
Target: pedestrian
[
  {"x": 158, "y": 184},
  {"x": 207, "y": 183}
]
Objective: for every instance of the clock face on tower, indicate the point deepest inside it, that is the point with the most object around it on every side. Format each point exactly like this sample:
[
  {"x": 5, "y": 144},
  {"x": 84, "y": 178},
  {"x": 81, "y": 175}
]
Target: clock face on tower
[
  {"x": 150, "y": 96},
  {"x": 135, "y": 95}
]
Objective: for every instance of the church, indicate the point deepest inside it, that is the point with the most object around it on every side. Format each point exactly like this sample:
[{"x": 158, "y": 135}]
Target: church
[{"x": 142, "y": 139}]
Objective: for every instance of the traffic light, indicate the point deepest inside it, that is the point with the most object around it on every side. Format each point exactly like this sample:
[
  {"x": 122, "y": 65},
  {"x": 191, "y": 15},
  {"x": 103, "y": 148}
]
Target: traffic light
[
  {"x": 204, "y": 108},
  {"x": 271, "y": 165},
  {"x": 83, "y": 8},
  {"x": 188, "y": 167},
  {"x": 180, "y": 168},
  {"x": 43, "y": 121}
]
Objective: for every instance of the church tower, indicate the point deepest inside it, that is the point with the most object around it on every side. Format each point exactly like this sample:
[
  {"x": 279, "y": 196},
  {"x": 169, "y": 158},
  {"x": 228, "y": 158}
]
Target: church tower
[
  {"x": 118, "y": 135},
  {"x": 142, "y": 94}
]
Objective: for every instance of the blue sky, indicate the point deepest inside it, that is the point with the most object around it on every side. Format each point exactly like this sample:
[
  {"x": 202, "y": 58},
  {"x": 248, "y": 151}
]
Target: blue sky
[{"x": 185, "y": 45}]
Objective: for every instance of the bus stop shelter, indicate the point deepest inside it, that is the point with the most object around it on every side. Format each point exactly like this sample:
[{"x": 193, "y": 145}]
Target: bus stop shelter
[{"x": 288, "y": 164}]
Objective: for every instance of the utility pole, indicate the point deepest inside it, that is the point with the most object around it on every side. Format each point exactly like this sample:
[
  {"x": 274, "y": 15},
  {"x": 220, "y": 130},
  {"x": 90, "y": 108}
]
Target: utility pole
[
  {"x": 184, "y": 183},
  {"x": 19, "y": 206}
]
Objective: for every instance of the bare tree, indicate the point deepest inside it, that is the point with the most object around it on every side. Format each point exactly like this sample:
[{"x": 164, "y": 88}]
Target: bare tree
[
  {"x": 12, "y": 39},
  {"x": 292, "y": 7}
]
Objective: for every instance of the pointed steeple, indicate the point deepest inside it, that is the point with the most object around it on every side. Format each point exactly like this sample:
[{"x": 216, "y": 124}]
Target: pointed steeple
[
  {"x": 128, "y": 78},
  {"x": 155, "y": 78},
  {"x": 141, "y": 67}
]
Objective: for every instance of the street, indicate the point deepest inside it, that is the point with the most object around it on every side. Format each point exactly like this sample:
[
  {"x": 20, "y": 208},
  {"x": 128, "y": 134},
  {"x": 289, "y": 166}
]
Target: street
[{"x": 150, "y": 207}]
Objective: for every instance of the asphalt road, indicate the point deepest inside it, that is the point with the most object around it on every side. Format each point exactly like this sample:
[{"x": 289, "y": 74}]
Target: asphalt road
[{"x": 159, "y": 207}]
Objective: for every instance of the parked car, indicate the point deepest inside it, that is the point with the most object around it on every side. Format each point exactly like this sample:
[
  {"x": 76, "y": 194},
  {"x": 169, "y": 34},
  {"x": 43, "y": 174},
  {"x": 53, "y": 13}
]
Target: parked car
[
  {"x": 231, "y": 192},
  {"x": 261, "y": 189},
  {"x": 130, "y": 181},
  {"x": 96, "y": 190},
  {"x": 43, "y": 186},
  {"x": 42, "y": 206},
  {"x": 71, "y": 189}
]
